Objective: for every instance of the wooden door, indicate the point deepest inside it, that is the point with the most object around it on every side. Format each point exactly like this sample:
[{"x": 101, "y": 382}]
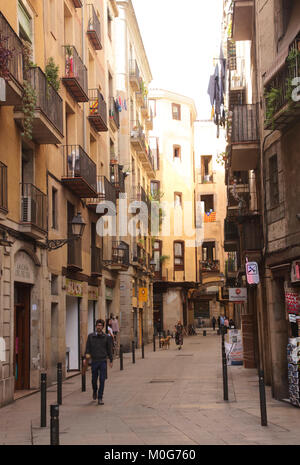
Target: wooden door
[{"x": 22, "y": 338}]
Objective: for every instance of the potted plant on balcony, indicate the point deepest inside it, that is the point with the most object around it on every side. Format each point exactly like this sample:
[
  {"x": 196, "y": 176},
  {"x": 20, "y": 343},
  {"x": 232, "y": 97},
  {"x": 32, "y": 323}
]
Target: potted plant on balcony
[
  {"x": 272, "y": 98},
  {"x": 52, "y": 74},
  {"x": 29, "y": 95},
  {"x": 69, "y": 61}
]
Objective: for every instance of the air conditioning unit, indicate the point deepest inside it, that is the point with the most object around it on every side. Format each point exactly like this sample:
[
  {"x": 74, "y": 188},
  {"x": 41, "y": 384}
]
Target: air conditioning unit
[{"x": 295, "y": 271}]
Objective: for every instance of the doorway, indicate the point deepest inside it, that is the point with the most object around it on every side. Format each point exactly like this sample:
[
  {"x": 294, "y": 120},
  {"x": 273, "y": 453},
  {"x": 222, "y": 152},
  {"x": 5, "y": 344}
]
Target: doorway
[{"x": 22, "y": 336}]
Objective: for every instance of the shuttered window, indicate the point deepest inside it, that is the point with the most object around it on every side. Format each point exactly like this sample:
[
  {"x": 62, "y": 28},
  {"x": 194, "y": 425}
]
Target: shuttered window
[{"x": 25, "y": 23}]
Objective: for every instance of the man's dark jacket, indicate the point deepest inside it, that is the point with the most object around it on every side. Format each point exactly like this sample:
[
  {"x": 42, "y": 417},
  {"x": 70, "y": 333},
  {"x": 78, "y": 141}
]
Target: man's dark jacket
[{"x": 99, "y": 346}]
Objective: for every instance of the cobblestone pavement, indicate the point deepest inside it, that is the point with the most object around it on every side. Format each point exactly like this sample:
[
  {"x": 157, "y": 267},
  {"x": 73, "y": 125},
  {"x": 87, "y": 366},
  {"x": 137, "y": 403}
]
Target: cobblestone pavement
[{"x": 170, "y": 397}]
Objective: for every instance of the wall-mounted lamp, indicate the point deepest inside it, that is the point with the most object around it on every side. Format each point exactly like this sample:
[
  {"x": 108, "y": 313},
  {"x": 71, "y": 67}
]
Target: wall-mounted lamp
[{"x": 78, "y": 226}]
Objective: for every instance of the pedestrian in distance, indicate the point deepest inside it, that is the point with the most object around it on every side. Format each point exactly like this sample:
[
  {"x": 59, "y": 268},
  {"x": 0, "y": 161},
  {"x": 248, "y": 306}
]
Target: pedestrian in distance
[
  {"x": 179, "y": 335},
  {"x": 213, "y": 323},
  {"x": 98, "y": 350}
]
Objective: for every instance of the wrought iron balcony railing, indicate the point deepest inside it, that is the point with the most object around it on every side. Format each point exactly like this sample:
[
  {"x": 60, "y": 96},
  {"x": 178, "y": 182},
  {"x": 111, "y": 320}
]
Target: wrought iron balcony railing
[
  {"x": 134, "y": 75},
  {"x": 105, "y": 190},
  {"x": 79, "y": 171},
  {"x": 11, "y": 43},
  {"x": 114, "y": 113},
  {"x": 281, "y": 109},
  {"x": 33, "y": 206},
  {"x": 209, "y": 266},
  {"x": 3, "y": 187},
  {"x": 75, "y": 74},
  {"x": 245, "y": 127},
  {"x": 94, "y": 28},
  {"x": 117, "y": 178},
  {"x": 120, "y": 253},
  {"x": 97, "y": 110}
]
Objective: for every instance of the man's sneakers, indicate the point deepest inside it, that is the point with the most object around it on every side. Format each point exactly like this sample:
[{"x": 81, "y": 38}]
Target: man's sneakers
[
  {"x": 94, "y": 395},
  {"x": 100, "y": 402}
]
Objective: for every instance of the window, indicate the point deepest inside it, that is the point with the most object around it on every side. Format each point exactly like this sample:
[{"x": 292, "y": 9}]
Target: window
[
  {"x": 177, "y": 199},
  {"x": 208, "y": 203},
  {"x": 176, "y": 111},
  {"x": 208, "y": 251},
  {"x": 176, "y": 152},
  {"x": 274, "y": 186},
  {"x": 25, "y": 23},
  {"x": 178, "y": 256},
  {"x": 206, "y": 168},
  {"x": 54, "y": 284},
  {"x": 109, "y": 24},
  {"x": 157, "y": 249},
  {"x": 54, "y": 208}
]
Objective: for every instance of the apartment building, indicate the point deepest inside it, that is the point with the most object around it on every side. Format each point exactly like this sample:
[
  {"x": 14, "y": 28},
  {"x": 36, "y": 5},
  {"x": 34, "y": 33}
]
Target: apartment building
[
  {"x": 211, "y": 191},
  {"x": 138, "y": 160},
  {"x": 174, "y": 251},
  {"x": 262, "y": 170},
  {"x": 59, "y": 127}
]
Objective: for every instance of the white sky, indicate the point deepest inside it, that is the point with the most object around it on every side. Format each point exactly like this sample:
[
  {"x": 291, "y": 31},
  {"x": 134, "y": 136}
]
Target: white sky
[{"x": 181, "y": 37}]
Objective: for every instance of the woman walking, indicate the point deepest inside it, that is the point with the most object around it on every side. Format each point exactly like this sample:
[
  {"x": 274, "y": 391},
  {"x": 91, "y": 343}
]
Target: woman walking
[{"x": 179, "y": 334}]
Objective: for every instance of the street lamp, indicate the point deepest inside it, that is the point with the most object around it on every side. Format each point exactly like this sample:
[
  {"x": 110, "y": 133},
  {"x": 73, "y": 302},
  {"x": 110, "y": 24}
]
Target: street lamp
[{"x": 78, "y": 226}]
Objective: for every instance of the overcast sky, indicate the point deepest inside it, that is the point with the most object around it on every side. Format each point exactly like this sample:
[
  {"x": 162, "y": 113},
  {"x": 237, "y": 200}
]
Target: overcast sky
[{"x": 181, "y": 38}]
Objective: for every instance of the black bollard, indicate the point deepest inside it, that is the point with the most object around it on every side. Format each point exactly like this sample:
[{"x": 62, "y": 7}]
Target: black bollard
[
  {"x": 59, "y": 383},
  {"x": 43, "y": 400},
  {"x": 204, "y": 332},
  {"x": 133, "y": 351},
  {"x": 54, "y": 425},
  {"x": 262, "y": 397},
  {"x": 143, "y": 349},
  {"x": 83, "y": 375},
  {"x": 224, "y": 364},
  {"x": 121, "y": 357},
  {"x": 153, "y": 342}
]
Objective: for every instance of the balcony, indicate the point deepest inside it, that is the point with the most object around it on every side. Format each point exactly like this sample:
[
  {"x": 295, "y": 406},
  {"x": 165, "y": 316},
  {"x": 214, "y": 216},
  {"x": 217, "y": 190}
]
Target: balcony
[
  {"x": 117, "y": 178},
  {"x": 145, "y": 107},
  {"x": 120, "y": 256},
  {"x": 237, "y": 82},
  {"x": 210, "y": 217},
  {"x": 207, "y": 178},
  {"x": 242, "y": 21},
  {"x": 94, "y": 28},
  {"x": 12, "y": 68},
  {"x": 252, "y": 239},
  {"x": 139, "y": 96},
  {"x": 47, "y": 125},
  {"x": 75, "y": 255},
  {"x": 231, "y": 236},
  {"x": 114, "y": 114},
  {"x": 75, "y": 75},
  {"x": 97, "y": 111},
  {"x": 281, "y": 110},
  {"x": 137, "y": 137},
  {"x": 209, "y": 266},
  {"x": 238, "y": 198},
  {"x": 96, "y": 261},
  {"x": 105, "y": 192},
  {"x": 3, "y": 188},
  {"x": 79, "y": 172},
  {"x": 33, "y": 211},
  {"x": 245, "y": 138},
  {"x": 134, "y": 75},
  {"x": 149, "y": 120},
  {"x": 77, "y": 3}
]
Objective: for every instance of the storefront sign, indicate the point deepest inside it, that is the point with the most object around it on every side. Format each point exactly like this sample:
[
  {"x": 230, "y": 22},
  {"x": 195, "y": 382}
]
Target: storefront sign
[
  {"x": 252, "y": 273},
  {"x": 295, "y": 271},
  {"x": 74, "y": 288},
  {"x": 24, "y": 268},
  {"x": 238, "y": 294},
  {"x": 292, "y": 301},
  {"x": 108, "y": 293},
  {"x": 93, "y": 293},
  {"x": 143, "y": 294}
]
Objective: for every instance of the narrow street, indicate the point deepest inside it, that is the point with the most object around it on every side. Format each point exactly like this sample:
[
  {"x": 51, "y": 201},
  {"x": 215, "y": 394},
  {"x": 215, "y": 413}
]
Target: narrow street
[{"x": 170, "y": 397}]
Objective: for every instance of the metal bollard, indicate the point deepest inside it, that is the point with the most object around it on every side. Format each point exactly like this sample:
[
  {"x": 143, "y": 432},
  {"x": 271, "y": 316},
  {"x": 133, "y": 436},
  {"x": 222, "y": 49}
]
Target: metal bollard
[
  {"x": 262, "y": 397},
  {"x": 224, "y": 365},
  {"x": 121, "y": 357},
  {"x": 153, "y": 342},
  {"x": 43, "y": 400},
  {"x": 59, "y": 383},
  {"x": 204, "y": 332},
  {"x": 83, "y": 375},
  {"x": 54, "y": 425},
  {"x": 143, "y": 349},
  {"x": 133, "y": 351}
]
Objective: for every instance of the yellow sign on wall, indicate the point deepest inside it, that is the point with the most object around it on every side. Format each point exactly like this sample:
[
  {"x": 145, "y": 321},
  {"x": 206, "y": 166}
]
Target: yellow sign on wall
[{"x": 143, "y": 294}]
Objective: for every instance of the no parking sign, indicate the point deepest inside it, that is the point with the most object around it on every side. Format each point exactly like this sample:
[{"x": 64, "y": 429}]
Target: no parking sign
[{"x": 252, "y": 272}]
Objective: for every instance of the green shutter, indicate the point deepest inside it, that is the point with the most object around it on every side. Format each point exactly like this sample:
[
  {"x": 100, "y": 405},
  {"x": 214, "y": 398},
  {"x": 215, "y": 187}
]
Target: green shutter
[{"x": 24, "y": 22}]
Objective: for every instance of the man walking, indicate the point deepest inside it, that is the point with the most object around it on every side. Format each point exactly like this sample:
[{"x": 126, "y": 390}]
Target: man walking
[{"x": 99, "y": 348}]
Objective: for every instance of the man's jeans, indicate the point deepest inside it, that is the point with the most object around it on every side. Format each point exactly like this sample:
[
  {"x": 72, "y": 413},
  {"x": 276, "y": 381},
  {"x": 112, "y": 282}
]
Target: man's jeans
[{"x": 99, "y": 369}]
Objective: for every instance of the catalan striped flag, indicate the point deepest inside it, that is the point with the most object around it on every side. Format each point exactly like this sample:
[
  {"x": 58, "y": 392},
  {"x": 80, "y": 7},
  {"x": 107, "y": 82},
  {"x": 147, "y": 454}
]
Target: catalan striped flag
[{"x": 209, "y": 217}]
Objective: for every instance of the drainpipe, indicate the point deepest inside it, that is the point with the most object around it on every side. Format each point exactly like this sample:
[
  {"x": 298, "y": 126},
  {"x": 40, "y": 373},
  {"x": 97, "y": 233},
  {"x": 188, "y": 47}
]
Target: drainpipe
[{"x": 83, "y": 59}]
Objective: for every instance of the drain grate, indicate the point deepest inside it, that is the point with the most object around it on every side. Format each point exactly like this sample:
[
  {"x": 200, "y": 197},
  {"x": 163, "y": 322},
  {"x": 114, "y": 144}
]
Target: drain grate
[{"x": 162, "y": 381}]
